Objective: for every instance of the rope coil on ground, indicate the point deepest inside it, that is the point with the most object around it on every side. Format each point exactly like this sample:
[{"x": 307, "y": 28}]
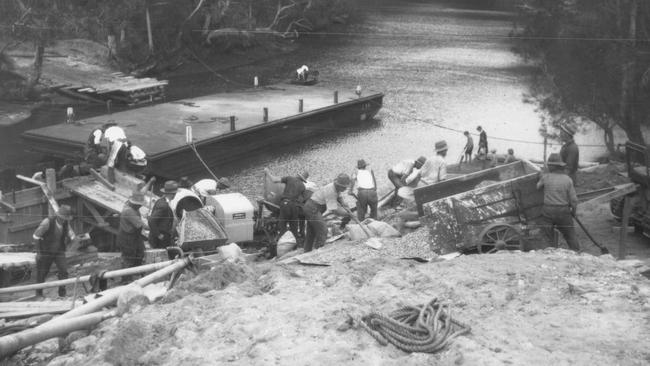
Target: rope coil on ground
[{"x": 424, "y": 328}]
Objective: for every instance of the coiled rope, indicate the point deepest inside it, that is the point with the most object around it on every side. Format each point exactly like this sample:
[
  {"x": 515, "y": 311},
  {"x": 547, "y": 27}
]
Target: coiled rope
[{"x": 425, "y": 328}]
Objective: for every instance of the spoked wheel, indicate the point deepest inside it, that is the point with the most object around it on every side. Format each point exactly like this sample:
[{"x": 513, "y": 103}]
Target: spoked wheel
[{"x": 497, "y": 237}]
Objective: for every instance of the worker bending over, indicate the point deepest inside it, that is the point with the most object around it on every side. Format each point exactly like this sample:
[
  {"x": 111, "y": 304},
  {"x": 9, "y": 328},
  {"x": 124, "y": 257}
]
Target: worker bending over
[
  {"x": 326, "y": 199},
  {"x": 50, "y": 240},
  {"x": 291, "y": 202},
  {"x": 115, "y": 137},
  {"x": 364, "y": 180},
  {"x": 405, "y": 173},
  {"x": 302, "y": 73},
  {"x": 560, "y": 202}
]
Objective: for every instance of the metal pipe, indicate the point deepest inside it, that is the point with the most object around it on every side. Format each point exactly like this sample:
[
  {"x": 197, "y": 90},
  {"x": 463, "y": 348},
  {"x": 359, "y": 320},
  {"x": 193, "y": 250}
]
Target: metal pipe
[
  {"x": 70, "y": 281},
  {"x": 12, "y": 343}
]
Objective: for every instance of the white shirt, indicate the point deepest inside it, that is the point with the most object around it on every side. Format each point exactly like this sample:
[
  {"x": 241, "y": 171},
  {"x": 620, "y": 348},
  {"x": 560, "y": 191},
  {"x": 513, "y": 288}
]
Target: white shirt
[
  {"x": 302, "y": 69},
  {"x": 365, "y": 179},
  {"x": 205, "y": 187},
  {"x": 434, "y": 170},
  {"x": 114, "y": 133}
]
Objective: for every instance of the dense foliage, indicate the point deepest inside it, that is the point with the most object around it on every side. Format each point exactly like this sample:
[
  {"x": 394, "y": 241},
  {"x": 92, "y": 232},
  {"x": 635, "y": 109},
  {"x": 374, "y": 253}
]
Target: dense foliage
[{"x": 593, "y": 58}]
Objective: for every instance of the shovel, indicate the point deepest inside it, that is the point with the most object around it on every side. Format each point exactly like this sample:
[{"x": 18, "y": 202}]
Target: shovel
[
  {"x": 355, "y": 219},
  {"x": 603, "y": 249}
]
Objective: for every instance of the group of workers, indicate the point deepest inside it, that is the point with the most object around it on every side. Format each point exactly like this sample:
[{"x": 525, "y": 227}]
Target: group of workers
[
  {"x": 108, "y": 145},
  {"x": 301, "y": 201}
]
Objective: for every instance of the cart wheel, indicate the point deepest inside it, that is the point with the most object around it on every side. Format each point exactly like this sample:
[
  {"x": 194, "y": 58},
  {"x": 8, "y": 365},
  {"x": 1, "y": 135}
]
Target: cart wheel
[{"x": 497, "y": 237}]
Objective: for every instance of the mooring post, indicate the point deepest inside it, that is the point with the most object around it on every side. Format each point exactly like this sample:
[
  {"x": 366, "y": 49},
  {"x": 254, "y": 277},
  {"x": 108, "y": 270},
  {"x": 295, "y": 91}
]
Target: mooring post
[
  {"x": 109, "y": 105},
  {"x": 336, "y": 96},
  {"x": 69, "y": 115},
  {"x": 232, "y": 123},
  {"x": 266, "y": 114},
  {"x": 300, "y": 104},
  {"x": 256, "y": 82},
  {"x": 50, "y": 180}
]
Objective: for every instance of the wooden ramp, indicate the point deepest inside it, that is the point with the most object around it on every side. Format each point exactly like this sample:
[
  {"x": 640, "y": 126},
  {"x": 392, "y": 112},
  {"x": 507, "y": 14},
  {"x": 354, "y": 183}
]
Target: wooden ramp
[{"x": 120, "y": 88}]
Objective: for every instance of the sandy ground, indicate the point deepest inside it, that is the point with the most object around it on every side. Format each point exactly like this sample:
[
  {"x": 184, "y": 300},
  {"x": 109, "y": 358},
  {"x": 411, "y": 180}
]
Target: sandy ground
[{"x": 552, "y": 307}]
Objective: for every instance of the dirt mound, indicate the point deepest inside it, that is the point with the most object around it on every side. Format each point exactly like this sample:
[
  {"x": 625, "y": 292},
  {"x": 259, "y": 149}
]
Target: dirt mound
[{"x": 547, "y": 307}]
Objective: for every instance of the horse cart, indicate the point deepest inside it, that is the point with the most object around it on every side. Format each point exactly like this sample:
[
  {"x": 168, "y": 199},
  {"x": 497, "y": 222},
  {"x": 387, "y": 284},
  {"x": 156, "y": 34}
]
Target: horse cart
[{"x": 485, "y": 211}]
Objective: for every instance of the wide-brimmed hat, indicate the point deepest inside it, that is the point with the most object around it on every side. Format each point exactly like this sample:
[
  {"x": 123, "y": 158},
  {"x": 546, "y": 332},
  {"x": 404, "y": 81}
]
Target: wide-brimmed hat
[
  {"x": 170, "y": 187},
  {"x": 555, "y": 160},
  {"x": 342, "y": 180},
  {"x": 303, "y": 176},
  {"x": 441, "y": 146},
  {"x": 569, "y": 129},
  {"x": 137, "y": 198},
  {"x": 64, "y": 212},
  {"x": 420, "y": 162},
  {"x": 361, "y": 164}
]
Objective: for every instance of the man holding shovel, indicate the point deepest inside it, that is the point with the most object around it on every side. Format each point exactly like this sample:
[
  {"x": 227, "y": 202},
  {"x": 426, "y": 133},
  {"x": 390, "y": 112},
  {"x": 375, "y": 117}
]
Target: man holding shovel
[
  {"x": 560, "y": 202},
  {"x": 324, "y": 199}
]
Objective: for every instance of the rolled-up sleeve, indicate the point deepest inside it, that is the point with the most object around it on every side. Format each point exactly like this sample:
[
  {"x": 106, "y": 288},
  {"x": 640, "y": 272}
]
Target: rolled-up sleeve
[{"x": 41, "y": 229}]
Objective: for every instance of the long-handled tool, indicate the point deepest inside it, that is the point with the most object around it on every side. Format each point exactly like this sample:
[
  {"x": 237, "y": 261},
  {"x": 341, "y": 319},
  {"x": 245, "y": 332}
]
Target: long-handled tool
[
  {"x": 355, "y": 219},
  {"x": 603, "y": 249}
]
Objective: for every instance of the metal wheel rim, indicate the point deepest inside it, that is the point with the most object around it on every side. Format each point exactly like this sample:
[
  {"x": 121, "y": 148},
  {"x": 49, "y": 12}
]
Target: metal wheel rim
[{"x": 497, "y": 237}]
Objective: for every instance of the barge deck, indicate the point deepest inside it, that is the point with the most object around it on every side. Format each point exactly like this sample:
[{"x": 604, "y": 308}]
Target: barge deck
[{"x": 225, "y": 127}]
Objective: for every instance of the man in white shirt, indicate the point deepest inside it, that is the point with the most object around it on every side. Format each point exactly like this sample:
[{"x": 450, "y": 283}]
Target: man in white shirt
[
  {"x": 435, "y": 169},
  {"x": 302, "y": 73},
  {"x": 405, "y": 173},
  {"x": 364, "y": 179},
  {"x": 115, "y": 137}
]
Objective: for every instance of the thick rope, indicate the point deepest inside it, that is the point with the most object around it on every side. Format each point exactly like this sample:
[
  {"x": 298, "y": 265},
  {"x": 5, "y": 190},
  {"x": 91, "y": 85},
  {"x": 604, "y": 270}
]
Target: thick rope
[{"x": 425, "y": 328}]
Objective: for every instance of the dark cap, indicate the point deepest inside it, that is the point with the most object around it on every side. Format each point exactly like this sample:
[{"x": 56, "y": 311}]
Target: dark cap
[
  {"x": 420, "y": 162},
  {"x": 361, "y": 164},
  {"x": 170, "y": 187}
]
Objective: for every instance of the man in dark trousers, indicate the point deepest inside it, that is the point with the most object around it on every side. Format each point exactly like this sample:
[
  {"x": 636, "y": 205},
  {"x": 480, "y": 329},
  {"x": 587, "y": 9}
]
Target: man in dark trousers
[
  {"x": 50, "y": 241},
  {"x": 291, "y": 202},
  {"x": 560, "y": 202},
  {"x": 326, "y": 199},
  {"x": 364, "y": 180},
  {"x": 569, "y": 152},
  {"x": 129, "y": 239},
  {"x": 482, "y": 140},
  {"x": 161, "y": 218}
]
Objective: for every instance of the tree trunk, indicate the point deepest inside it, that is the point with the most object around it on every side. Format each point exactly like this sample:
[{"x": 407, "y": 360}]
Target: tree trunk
[
  {"x": 35, "y": 76},
  {"x": 629, "y": 86}
]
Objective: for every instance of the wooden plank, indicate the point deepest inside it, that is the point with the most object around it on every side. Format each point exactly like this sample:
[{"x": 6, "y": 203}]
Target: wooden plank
[
  {"x": 93, "y": 211},
  {"x": 24, "y": 226},
  {"x": 101, "y": 179},
  {"x": 9, "y": 260},
  {"x": 464, "y": 183},
  {"x": 618, "y": 191}
]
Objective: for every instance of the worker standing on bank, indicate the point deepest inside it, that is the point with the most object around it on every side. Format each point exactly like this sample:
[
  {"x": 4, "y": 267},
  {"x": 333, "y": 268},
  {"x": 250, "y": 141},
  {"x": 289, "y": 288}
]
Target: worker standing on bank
[
  {"x": 364, "y": 180},
  {"x": 560, "y": 202},
  {"x": 405, "y": 173},
  {"x": 435, "y": 169},
  {"x": 161, "y": 218},
  {"x": 50, "y": 240},
  {"x": 291, "y": 202},
  {"x": 326, "y": 199},
  {"x": 569, "y": 152},
  {"x": 129, "y": 239}
]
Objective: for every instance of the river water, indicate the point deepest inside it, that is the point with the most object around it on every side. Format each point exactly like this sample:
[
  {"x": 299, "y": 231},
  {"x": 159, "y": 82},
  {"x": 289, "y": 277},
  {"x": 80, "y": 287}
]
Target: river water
[{"x": 442, "y": 69}]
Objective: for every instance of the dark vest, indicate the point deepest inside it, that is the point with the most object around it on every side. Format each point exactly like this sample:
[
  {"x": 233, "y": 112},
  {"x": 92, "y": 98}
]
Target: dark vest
[{"x": 52, "y": 244}]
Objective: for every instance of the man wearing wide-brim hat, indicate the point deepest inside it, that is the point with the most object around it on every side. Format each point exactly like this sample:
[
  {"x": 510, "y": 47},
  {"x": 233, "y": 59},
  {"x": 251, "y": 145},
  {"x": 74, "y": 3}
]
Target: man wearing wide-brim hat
[
  {"x": 291, "y": 201},
  {"x": 325, "y": 199},
  {"x": 129, "y": 238},
  {"x": 50, "y": 239},
  {"x": 435, "y": 170},
  {"x": 560, "y": 202},
  {"x": 569, "y": 153},
  {"x": 161, "y": 218}
]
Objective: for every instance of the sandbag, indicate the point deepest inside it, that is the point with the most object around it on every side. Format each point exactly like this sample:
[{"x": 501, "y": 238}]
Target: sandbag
[
  {"x": 382, "y": 229},
  {"x": 355, "y": 232},
  {"x": 286, "y": 243},
  {"x": 230, "y": 252}
]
